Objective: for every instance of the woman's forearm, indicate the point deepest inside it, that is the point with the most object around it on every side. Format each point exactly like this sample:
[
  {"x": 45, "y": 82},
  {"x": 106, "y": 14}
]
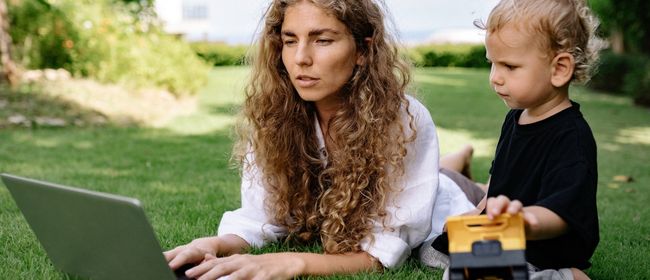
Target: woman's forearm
[
  {"x": 326, "y": 264},
  {"x": 230, "y": 244}
]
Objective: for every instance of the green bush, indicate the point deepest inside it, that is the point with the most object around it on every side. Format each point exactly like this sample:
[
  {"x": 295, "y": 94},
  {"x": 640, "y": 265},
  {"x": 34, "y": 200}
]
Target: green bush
[
  {"x": 104, "y": 40},
  {"x": 610, "y": 75},
  {"x": 220, "y": 54},
  {"x": 637, "y": 81},
  {"x": 448, "y": 56},
  {"x": 475, "y": 58},
  {"x": 627, "y": 74},
  {"x": 41, "y": 33}
]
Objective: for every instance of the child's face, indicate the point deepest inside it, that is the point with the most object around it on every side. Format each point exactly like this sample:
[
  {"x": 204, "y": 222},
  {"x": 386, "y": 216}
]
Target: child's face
[
  {"x": 318, "y": 52},
  {"x": 521, "y": 72}
]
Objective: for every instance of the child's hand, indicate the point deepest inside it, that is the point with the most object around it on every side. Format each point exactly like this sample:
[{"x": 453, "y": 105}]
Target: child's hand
[{"x": 502, "y": 204}]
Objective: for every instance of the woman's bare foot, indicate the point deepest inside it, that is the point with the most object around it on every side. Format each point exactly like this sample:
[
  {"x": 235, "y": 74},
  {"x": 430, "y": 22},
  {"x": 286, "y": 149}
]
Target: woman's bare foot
[
  {"x": 579, "y": 274},
  {"x": 467, "y": 153},
  {"x": 459, "y": 161}
]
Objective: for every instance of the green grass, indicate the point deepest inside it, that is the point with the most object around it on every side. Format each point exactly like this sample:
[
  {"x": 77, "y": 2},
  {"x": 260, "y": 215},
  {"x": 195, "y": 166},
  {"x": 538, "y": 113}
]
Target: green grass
[{"x": 180, "y": 172}]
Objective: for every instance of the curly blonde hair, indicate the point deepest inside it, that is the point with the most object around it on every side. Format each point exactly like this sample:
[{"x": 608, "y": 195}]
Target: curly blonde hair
[
  {"x": 337, "y": 201},
  {"x": 558, "y": 25}
]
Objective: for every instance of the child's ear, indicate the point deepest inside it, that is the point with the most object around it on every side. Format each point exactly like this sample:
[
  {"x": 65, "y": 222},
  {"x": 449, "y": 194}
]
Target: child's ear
[
  {"x": 361, "y": 59},
  {"x": 563, "y": 65}
]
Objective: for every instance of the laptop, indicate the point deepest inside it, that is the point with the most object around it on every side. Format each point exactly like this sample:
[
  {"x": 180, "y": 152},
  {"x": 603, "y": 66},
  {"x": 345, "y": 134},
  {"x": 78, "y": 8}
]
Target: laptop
[{"x": 91, "y": 234}]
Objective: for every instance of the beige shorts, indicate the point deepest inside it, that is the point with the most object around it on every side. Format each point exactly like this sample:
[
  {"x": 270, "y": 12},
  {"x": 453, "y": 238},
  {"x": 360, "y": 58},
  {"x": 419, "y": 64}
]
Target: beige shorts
[{"x": 473, "y": 192}]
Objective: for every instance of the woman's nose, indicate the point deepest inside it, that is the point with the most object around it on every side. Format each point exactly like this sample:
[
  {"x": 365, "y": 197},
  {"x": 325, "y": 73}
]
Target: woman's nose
[{"x": 304, "y": 55}]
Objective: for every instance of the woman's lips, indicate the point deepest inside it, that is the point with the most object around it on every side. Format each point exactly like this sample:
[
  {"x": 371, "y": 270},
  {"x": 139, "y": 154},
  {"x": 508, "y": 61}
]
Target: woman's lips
[{"x": 306, "y": 81}]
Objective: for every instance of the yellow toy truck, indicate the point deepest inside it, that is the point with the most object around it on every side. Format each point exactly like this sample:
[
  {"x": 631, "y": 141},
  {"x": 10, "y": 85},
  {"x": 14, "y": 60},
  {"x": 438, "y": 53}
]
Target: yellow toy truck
[{"x": 480, "y": 248}]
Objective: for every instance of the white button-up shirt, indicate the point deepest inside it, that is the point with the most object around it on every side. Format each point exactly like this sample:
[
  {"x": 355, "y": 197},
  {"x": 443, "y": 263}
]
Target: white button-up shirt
[{"x": 417, "y": 211}]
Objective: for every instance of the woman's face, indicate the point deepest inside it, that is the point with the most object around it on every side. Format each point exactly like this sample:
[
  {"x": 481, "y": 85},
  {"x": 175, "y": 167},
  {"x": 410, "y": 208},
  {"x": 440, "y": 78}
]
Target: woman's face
[{"x": 319, "y": 53}]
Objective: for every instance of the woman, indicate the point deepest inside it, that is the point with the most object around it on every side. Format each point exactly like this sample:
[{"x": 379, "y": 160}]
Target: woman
[{"x": 333, "y": 150}]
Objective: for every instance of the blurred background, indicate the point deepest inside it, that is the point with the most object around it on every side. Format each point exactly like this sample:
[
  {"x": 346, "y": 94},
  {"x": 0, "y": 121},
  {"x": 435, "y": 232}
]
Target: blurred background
[{"x": 169, "y": 46}]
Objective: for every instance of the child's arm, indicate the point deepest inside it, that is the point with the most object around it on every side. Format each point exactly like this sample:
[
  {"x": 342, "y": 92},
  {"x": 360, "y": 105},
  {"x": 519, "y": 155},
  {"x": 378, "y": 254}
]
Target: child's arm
[{"x": 541, "y": 223}]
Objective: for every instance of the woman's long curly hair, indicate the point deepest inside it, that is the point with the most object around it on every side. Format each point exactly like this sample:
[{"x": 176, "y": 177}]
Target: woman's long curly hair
[{"x": 337, "y": 201}]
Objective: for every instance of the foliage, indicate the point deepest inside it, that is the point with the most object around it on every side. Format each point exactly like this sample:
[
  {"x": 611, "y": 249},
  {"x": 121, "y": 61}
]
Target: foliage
[
  {"x": 448, "y": 56},
  {"x": 637, "y": 81},
  {"x": 105, "y": 40},
  {"x": 624, "y": 74},
  {"x": 610, "y": 75},
  {"x": 630, "y": 17},
  {"x": 41, "y": 34},
  {"x": 220, "y": 54}
]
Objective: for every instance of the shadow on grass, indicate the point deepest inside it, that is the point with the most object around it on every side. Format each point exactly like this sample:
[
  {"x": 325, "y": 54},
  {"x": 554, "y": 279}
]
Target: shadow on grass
[{"x": 27, "y": 107}]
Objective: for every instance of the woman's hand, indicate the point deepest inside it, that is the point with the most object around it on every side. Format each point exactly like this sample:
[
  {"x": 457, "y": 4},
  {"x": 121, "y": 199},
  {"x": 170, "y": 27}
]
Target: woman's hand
[
  {"x": 194, "y": 252},
  {"x": 266, "y": 266}
]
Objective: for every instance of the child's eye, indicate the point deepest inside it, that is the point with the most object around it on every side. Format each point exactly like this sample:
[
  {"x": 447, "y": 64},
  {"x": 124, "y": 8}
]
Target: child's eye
[{"x": 510, "y": 67}]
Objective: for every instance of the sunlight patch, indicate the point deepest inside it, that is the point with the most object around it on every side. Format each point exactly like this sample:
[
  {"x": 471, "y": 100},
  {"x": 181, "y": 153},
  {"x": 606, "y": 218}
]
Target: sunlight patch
[
  {"x": 634, "y": 135},
  {"x": 201, "y": 124},
  {"x": 610, "y": 147},
  {"x": 83, "y": 145},
  {"x": 174, "y": 189},
  {"x": 436, "y": 80},
  {"x": 452, "y": 140},
  {"x": 46, "y": 143}
]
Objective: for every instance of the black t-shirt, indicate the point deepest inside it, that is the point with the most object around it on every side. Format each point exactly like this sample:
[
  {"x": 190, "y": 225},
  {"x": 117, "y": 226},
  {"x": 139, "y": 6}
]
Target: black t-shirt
[{"x": 552, "y": 163}]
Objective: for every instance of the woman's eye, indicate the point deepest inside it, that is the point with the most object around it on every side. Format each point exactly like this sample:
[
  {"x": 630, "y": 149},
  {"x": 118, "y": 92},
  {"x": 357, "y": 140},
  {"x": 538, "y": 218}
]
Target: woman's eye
[
  {"x": 289, "y": 42},
  {"x": 324, "y": 41}
]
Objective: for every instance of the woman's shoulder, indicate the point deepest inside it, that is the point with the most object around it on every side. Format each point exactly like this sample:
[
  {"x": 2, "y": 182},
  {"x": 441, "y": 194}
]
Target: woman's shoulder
[
  {"x": 414, "y": 103},
  {"x": 419, "y": 112}
]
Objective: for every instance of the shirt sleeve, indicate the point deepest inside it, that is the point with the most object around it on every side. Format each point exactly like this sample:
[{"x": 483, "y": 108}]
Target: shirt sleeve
[
  {"x": 251, "y": 222},
  {"x": 410, "y": 209}
]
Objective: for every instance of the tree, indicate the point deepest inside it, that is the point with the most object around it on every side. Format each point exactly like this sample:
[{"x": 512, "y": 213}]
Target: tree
[
  {"x": 8, "y": 70},
  {"x": 626, "y": 24}
]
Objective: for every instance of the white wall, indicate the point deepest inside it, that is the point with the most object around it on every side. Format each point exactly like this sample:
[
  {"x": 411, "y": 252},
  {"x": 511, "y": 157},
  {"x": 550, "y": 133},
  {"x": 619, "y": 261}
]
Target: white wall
[{"x": 232, "y": 21}]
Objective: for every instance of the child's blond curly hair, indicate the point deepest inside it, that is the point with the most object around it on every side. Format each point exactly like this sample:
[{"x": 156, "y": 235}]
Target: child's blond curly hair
[{"x": 559, "y": 26}]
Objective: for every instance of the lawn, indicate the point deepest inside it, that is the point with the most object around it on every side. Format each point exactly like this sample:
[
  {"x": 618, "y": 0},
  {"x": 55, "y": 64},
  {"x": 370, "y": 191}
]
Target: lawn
[{"x": 181, "y": 171}]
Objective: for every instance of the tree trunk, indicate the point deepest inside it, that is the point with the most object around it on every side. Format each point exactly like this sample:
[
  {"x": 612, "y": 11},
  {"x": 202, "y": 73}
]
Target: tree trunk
[
  {"x": 616, "y": 38},
  {"x": 8, "y": 71}
]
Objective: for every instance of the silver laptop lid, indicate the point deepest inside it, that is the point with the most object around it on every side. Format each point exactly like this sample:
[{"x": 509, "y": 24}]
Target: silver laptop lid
[{"x": 90, "y": 234}]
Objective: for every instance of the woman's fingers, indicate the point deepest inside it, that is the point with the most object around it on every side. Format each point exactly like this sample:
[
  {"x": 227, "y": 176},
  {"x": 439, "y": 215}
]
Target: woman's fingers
[
  {"x": 171, "y": 254},
  {"x": 215, "y": 268},
  {"x": 188, "y": 255}
]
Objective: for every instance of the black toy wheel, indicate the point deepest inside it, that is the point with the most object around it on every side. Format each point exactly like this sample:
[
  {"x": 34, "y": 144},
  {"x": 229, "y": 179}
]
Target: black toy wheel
[
  {"x": 520, "y": 273},
  {"x": 456, "y": 275}
]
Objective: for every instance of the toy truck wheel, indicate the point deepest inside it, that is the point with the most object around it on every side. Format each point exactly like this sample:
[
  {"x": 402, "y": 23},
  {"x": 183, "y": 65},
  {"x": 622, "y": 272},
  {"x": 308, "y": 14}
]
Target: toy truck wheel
[
  {"x": 456, "y": 275},
  {"x": 520, "y": 273}
]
